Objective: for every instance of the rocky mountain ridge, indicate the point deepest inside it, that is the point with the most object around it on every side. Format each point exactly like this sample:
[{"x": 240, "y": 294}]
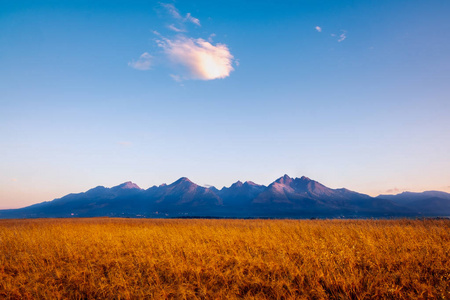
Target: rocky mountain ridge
[{"x": 286, "y": 197}]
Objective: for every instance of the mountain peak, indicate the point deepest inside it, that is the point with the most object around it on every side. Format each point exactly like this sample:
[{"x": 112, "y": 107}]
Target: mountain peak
[
  {"x": 127, "y": 185},
  {"x": 284, "y": 180},
  {"x": 237, "y": 184},
  {"x": 183, "y": 180},
  {"x": 304, "y": 178}
]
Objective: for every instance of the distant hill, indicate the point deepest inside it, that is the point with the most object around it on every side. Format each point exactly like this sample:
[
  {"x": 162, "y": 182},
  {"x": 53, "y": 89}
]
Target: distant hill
[
  {"x": 286, "y": 197},
  {"x": 429, "y": 203}
]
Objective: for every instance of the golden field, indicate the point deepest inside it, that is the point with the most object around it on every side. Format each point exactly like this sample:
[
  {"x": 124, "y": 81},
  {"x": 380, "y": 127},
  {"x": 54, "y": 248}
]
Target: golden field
[{"x": 104, "y": 258}]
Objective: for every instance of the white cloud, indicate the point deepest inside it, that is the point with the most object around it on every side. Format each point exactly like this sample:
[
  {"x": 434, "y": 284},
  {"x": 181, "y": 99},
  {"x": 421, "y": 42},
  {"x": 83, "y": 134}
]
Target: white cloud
[
  {"x": 342, "y": 36},
  {"x": 318, "y": 28},
  {"x": 173, "y": 11},
  {"x": 392, "y": 191},
  {"x": 190, "y": 58},
  {"x": 143, "y": 63},
  {"x": 211, "y": 36},
  {"x": 177, "y": 78},
  {"x": 200, "y": 59},
  {"x": 174, "y": 28},
  {"x": 191, "y": 19},
  {"x": 125, "y": 143}
]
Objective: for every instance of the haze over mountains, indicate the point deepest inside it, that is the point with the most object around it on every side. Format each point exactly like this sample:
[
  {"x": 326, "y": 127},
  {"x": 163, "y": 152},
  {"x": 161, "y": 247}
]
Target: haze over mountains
[{"x": 286, "y": 197}]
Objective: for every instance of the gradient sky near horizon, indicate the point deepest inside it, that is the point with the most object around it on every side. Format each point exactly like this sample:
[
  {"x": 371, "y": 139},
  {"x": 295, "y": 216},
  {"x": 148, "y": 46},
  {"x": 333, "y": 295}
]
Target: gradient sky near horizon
[{"x": 352, "y": 94}]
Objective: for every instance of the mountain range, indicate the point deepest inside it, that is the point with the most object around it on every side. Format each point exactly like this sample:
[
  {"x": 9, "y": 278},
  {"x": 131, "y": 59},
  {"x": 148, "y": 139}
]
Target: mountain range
[{"x": 286, "y": 197}]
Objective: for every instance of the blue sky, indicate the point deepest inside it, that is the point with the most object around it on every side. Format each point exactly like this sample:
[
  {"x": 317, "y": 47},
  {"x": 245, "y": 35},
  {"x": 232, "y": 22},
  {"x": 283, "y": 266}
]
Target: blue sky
[{"x": 352, "y": 94}]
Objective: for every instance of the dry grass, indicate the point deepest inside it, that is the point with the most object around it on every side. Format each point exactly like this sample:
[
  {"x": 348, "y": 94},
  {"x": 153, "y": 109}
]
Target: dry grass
[{"x": 224, "y": 259}]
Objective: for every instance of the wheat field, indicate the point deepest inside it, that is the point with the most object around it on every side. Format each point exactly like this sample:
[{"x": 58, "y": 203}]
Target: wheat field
[{"x": 104, "y": 258}]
